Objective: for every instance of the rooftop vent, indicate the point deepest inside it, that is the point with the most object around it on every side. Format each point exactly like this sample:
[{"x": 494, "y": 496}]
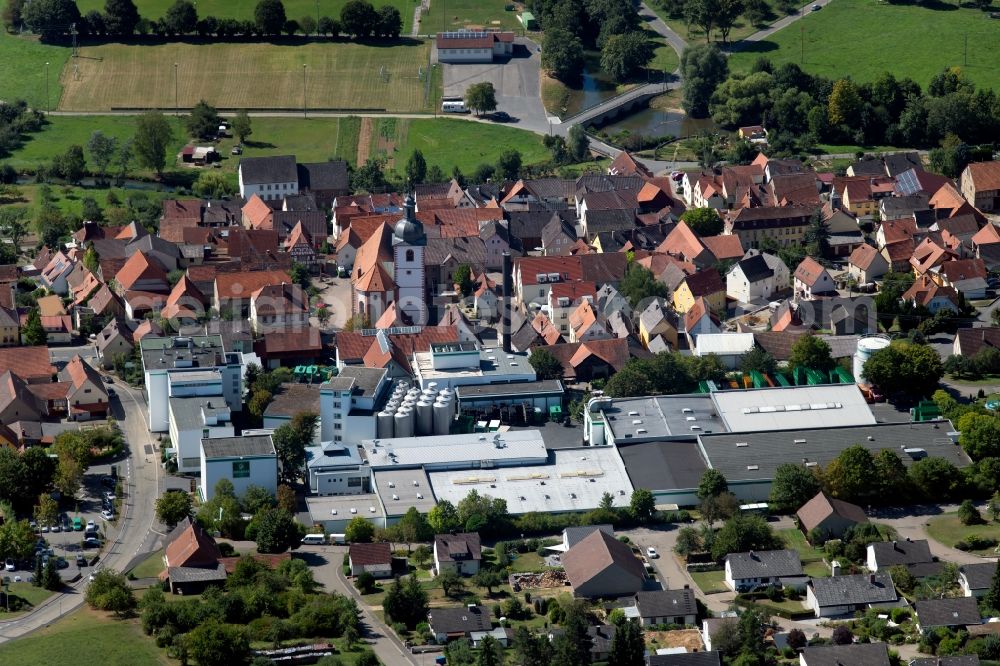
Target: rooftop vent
[
  {"x": 633, "y": 413},
  {"x": 741, "y": 445},
  {"x": 687, "y": 410},
  {"x": 333, "y": 512},
  {"x": 636, "y": 421},
  {"x": 415, "y": 484},
  {"x": 395, "y": 497},
  {"x": 371, "y": 509},
  {"x": 753, "y": 467},
  {"x": 392, "y": 485},
  {"x": 798, "y": 441},
  {"x": 420, "y": 495},
  {"x": 353, "y": 510}
]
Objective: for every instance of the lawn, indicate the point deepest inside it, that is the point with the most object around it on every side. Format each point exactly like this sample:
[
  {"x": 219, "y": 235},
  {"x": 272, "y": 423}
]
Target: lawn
[
  {"x": 85, "y": 637},
  {"x": 24, "y": 69},
  {"x": 458, "y": 14},
  {"x": 710, "y": 582},
  {"x": 948, "y": 530},
  {"x": 294, "y": 9},
  {"x": 795, "y": 540},
  {"x": 340, "y": 76},
  {"x": 862, "y": 39},
  {"x": 149, "y": 567},
  {"x": 69, "y": 198},
  {"x": 695, "y": 35},
  {"x": 29, "y": 593},
  {"x": 448, "y": 142}
]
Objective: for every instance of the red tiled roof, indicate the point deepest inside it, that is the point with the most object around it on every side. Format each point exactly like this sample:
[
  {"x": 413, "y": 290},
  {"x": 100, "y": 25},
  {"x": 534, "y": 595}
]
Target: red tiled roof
[
  {"x": 139, "y": 267},
  {"x": 28, "y": 363},
  {"x": 863, "y": 256},
  {"x": 363, "y": 554},
  {"x": 985, "y": 175},
  {"x": 192, "y": 548},
  {"x": 724, "y": 247},
  {"x": 705, "y": 283},
  {"x": 809, "y": 271},
  {"x": 242, "y": 285}
]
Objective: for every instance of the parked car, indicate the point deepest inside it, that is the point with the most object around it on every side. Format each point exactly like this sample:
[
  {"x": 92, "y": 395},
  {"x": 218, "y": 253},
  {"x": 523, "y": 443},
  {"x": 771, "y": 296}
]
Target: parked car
[
  {"x": 500, "y": 117},
  {"x": 108, "y": 514},
  {"x": 77, "y": 524},
  {"x": 57, "y": 528},
  {"x": 61, "y": 563},
  {"x": 108, "y": 481},
  {"x": 108, "y": 379},
  {"x": 112, "y": 393},
  {"x": 816, "y": 8},
  {"x": 651, "y": 553},
  {"x": 91, "y": 525},
  {"x": 81, "y": 561},
  {"x": 92, "y": 542},
  {"x": 45, "y": 528},
  {"x": 9, "y": 565},
  {"x": 676, "y": 176}
]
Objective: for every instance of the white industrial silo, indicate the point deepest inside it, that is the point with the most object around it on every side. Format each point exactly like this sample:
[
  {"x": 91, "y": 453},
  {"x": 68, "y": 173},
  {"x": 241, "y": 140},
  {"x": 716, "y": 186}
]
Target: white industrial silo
[
  {"x": 404, "y": 423},
  {"x": 425, "y": 417},
  {"x": 442, "y": 417},
  {"x": 385, "y": 425},
  {"x": 866, "y": 347}
]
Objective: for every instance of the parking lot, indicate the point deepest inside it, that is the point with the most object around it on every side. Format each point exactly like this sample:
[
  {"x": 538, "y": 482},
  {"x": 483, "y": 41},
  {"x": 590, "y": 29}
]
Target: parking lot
[{"x": 517, "y": 83}]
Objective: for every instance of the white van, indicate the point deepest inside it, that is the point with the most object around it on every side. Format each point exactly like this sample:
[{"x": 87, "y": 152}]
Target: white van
[
  {"x": 453, "y": 106},
  {"x": 314, "y": 539}
]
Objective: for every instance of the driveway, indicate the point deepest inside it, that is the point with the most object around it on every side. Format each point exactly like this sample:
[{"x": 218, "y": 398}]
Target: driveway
[{"x": 517, "y": 83}]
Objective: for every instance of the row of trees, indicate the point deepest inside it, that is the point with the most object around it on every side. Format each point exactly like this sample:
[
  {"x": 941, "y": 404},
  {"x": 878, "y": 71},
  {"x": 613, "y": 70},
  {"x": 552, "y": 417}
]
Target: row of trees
[{"x": 52, "y": 20}]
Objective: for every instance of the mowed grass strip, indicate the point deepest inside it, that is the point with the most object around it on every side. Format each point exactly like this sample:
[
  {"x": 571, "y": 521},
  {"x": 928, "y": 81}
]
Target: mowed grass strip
[
  {"x": 22, "y": 69},
  {"x": 458, "y": 14},
  {"x": 294, "y": 9},
  {"x": 340, "y": 75},
  {"x": 465, "y": 144},
  {"x": 862, "y": 39}
]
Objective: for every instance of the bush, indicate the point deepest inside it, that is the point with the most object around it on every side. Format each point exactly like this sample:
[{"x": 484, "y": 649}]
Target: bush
[
  {"x": 969, "y": 514},
  {"x": 900, "y": 615},
  {"x": 365, "y": 583},
  {"x": 226, "y": 549}
]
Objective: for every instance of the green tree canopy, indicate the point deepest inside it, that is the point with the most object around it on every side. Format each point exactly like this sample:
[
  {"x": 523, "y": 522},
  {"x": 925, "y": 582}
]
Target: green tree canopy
[
  {"x": 275, "y": 530},
  {"x": 624, "y": 55},
  {"x": 703, "y": 67},
  {"x": 811, "y": 351},
  {"x": 151, "y": 140},
  {"x": 416, "y": 169},
  {"x": 703, "y": 221},
  {"x": 743, "y": 533},
  {"x": 545, "y": 364},
  {"x": 562, "y": 54},
  {"x": 793, "y": 486},
  {"x": 481, "y": 97},
  {"x": 120, "y": 17},
  {"x": 713, "y": 483},
  {"x": 639, "y": 285},
  {"x": 109, "y": 590},
  {"x": 291, "y": 440},
  {"x": 904, "y": 367},
  {"x": 359, "y": 530},
  {"x": 269, "y": 16},
  {"x": 172, "y": 508},
  {"x": 851, "y": 475}
]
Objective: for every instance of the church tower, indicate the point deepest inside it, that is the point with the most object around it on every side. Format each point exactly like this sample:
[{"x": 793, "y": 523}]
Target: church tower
[{"x": 408, "y": 244}]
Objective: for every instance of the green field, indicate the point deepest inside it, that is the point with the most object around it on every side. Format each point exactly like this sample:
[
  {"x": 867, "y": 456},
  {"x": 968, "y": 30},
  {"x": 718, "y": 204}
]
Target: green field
[
  {"x": 30, "y": 594},
  {"x": 340, "y": 75},
  {"x": 456, "y": 14},
  {"x": 742, "y": 28},
  {"x": 949, "y": 530},
  {"x": 23, "y": 69},
  {"x": 450, "y": 142},
  {"x": 294, "y": 9},
  {"x": 149, "y": 567},
  {"x": 862, "y": 39},
  {"x": 84, "y": 637}
]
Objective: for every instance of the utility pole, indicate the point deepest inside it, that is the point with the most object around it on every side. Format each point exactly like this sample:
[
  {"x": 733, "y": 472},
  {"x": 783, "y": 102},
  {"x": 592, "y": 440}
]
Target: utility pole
[
  {"x": 72, "y": 31},
  {"x": 177, "y": 106},
  {"x": 304, "y": 114},
  {"x": 48, "y": 106}
]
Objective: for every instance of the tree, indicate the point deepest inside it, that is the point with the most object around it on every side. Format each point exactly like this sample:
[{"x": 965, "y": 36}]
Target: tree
[
  {"x": 369, "y": 177},
  {"x": 642, "y": 505},
  {"x": 572, "y": 647},
  {"x": 151, "y": 140},
  {"x": 578, "y": 143},
  {"x": 108, "y": 590},
  {"x": 969, "y": 514},
  {"x": 760, "y": 360},
  {"x": 413, "y": 527},
  {"x": 490, "y": 652},
  {"x": 172, "y": 508},
  {"x": 212, "y": 642},
  {"x": 624, "y": 55},
  {"x": 328, "y": 26},
  {"x": 241, "y": 125},
  {"x": 703, "y": 68},
  {"x": 443, "y": 517},
  {"x": 181, "y": 17},
  {"x": 845, "y": 103},
  {"x": 275, "y": 530},
  {"x": 936, "y": 478},
  {"x": 980, "y": 435},
  {"x": 904, "y": 367},
  {"x": 359, "y": 18},
  {"x": 810, "y": 351},
  {"x": 13, "y": 14},
  {"x": 269, "y": 17},
  {"x": 851, "y": 475},
  {"x": 451, "y": 583},
  {"x": 530, "y": 650},
  {"x": 703, "y": 221},
  {"x": 120, "y": 17},
  {"x": 743, "y": 533},
  {"x": 33, "y": 334},
  {"x": 793, "y": 486},
  {"x": 562, "y": 54},
  {"x": 214, "y": 185},
  {"x": 463, "y": 279},
  {"x": 842, "y": 635},
  {"x": 817, "y": 236},
  {"x": 390, "y": 22},
  {"x": 359, "y": 530},
  {"x": 50, "y": 19},
  {"x": 481, "y": 97},
  {"x": 416, "y": 169},
  {"x": 102, "y": 149},
  {"x": 509, "y": 164},
  {"x": 460, "y": 653},
  {"x": 640, "y": 286},
  {"x": 203, "y": 123},
  {"x": 545, "y": 364},
  {"x": 17, "y": 540},
  {"x": 72, "y": 165},
  {"x": 627, "y": 647},
  {"x": 290, "y": 442},
  {"x": 406, "y": 602},
  {"x": 488, "y": 578},
  {"x": 47, "y": 510},
  {"x": 256, "y": 498},
  {"x": 286, "y": 498},
  {"x": 726, "y": 16},
  {"x": 713, "y": 483}
]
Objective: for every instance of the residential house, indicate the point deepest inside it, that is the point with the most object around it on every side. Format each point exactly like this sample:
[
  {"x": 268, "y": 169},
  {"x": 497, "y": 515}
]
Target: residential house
[
  {"x": 279, "y": 308},
  {"x": 970, "y": 341},
  {"x": 373, "y": 558},
  {"x": 299, "y": 245},
  {"x": 324, "y": 180},
  {"x": 609, "y": 300},
  {"x": 461, "y": 553},
  {"x": 448, "y": 624},
  {"x": 10, "y": 325},
  {"x": 191, "y": 558},
  {"x": 866, "y": 264},
  {"x": 842, "y": 595},
  {"x": 855, "y": 654},
  {"x": 812, "y": 279},
  {"x": 929, "y": 294},
  {"x": 713, "y": 626},
  {"x": 17, "y": 401},
  {"x": 976, "y": 579},
  {"x": 953, "y": 660},
  {"x": 750, "y": 280},
  {"x": 114, "y": 341},
  {"x": 585, "y": 361},
  {"x": 980, "y": 185},
  {"x": 86, "y": 398},
  {"x": 186, "y": 305},
  {"x": 951, "y": 613},
  {"x": 758, "y": 569},
  {"x": 658, "y": 320},
  {"x": 586, "y": 325},
  {"x": 700, "y": 319},
  {"x": 626, "y": 165},
  {"x": 912, "y": 554},
  {"x": 58, "y": 329},
  {"x": 557, "y": 237},
  {"x": 830, "y": 516},
  {"x": 706, "y": 284},
  {"x": 986, "y": 245},
  {"x": 685, "y": 659},
  {"x": 683, "y": 243},
  {"x": 601, "y": 566},
  {"x": 666, "y": 607},
  {"x": 785, "y": 225},
  {"x": 497, "y": 240},
  {"x": 966, "y": 276},
  {"x": 270, "y": 178},
  {"x": 233, "y": 291},
  {"x": 55, "y": 272}
]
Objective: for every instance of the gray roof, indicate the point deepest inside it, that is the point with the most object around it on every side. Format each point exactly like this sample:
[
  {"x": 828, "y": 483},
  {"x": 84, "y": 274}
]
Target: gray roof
[
  {"x": 660, "y": 603},
  {"x": 556, "y": 227},
  {"x": 891, "y": 553},
  {"x": 572, "y": 535},
  {"x": 685, "y": 659},
  {"x": 196, "y": 574},
  {"x": 330, "y": 175},
  {"x": 150, "y": 244},
  {"x": 463, "y": 249},
  {"x": 662, "y": 417},
  {"x": 397, "y": 493},
  {"x": 663, "y": 465},
  {"x": 261, "y": 170},
  {"x": 897, "y": 163},
  {"x": 462, "y": 619},
  {"x": 238, "y": 447},
  {"x": 614, "y": 219},
  {"x": 954, "y": 660},
  {"x": 313, "y": 221},
  {"x": 333, "y": 455},
  {"x": 187, "y": 412},
  {"x": 756, "y": 455},
  {"x": 755, "y": 268},
  {"x": 857, "y": 654},
  {"x": 293, "y": 399},
  {"x": 366, "y": 380},
  {"x": 980, "y": 575},
  {"x": 512, "y": 389},
  {"x": 531, "y": 224},
  {"x": 856, "y": 589},
  {"x": 199, "y": 351},
  {"x": 953, "y": 612},
  {"x": 764, "y": 564}
]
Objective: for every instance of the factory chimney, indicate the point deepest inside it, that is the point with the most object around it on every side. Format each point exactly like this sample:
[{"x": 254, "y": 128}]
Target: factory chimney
[{"x": 508, "y": 296}]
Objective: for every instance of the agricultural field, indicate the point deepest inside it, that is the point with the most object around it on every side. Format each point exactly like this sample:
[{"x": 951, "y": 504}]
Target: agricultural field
[
  {"x": 337, "y": 76},
  {"x": 458, "y": 14},
  {"x": 23, "y": 73},
  {"x": 844, "y": 39},
  {"x": 294, "y": 9}
]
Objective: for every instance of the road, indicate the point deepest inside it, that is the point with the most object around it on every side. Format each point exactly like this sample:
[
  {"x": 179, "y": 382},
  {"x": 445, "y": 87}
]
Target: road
[
  {"x": 136, "y": 535},
  {"x": 761, "y": 35},
  {"x": 657, "y": 25}
]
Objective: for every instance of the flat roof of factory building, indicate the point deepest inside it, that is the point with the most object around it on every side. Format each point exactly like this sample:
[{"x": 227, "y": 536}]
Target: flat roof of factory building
[
  {"x": 401, "y": 489},
  {"x": 572, "y": 480},
  {"x": 512, "y": 389},
  {"x": 338, "y": 507},
  {"x": 456, "y": 450},
  {"x": 493, "y": 363},
  {"x": 661, "y": 417},
  {"x": 793, "y": 408}
]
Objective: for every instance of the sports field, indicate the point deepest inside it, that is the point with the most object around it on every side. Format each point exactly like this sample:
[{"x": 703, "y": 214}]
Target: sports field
[
  {"x": 339, "y": 76},
  {"x": 862, "y": 39},
  {"x": 294, "y": 9},
  {"x": 456, "y": 14},
  {"x": 22, "y": 69}
]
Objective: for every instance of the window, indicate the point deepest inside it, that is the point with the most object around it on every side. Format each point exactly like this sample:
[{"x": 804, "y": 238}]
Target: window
[
  {"x": 241, "y": 469},
  {"x": 409, "y": 255},
  {"x": 354, "y": 482}
]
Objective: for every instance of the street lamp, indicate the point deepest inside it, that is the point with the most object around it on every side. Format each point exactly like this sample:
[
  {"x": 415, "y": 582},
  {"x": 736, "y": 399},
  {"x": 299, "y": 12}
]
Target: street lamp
[
  {"x": 48, "y": 106},
  {"x": 177, "y": 107},
  {"x": 304, "y": 115}
]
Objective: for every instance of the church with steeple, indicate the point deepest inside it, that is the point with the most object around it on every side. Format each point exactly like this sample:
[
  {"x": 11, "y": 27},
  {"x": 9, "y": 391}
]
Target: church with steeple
[{"x": 409, "y": 241}]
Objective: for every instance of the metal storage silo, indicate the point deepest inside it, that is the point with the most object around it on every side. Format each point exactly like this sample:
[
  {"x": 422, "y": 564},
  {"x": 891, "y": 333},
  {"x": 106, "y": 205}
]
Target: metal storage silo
[
  {"x": 442, "y": 417},
  {"x": 866, "y": 347},
  {"x": 404, "y": 423},
  {"x": 385, "y": 425},
  {"x": 425, "y": 417}
]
